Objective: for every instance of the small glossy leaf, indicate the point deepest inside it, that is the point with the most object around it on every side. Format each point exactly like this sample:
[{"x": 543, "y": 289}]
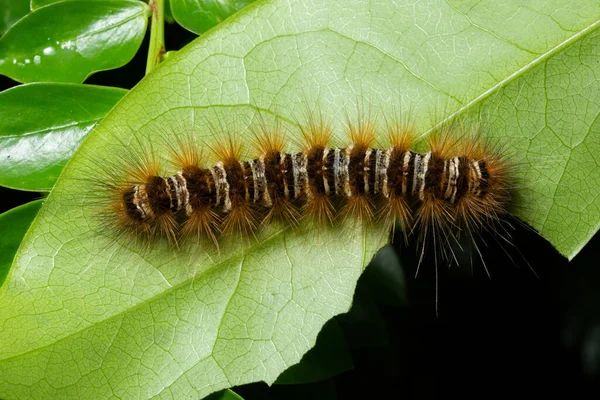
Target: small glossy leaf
[
  {"x": 40, "y": 3},
  {"x": 199, "y": 16},
  {"x": 328, "y": 358},
  {"x": 41, "y": 126},
  {"x": 85, "y": 313},
  {"x": 11, "y": 11},
  {"x": 69, "y": 40},
  {"x": 168, "y": 13},
  {"x": 384, "y": 279},
  {"x": 363, "y": 325},
  {"x": 13, "y": 225}
]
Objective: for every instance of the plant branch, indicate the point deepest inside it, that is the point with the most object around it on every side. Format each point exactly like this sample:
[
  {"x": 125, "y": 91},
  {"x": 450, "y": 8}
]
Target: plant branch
[{"x": 157, "y": 34}]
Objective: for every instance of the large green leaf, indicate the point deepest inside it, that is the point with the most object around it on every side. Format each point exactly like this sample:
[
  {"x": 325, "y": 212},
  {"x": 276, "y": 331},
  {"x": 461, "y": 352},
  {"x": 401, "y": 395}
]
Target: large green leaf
[
  {"x": 199, "y": 16},
  {"x": 69, "y": 40},
  {"x": 42, "y": 124},
  {"x": 85, "y": 315}
]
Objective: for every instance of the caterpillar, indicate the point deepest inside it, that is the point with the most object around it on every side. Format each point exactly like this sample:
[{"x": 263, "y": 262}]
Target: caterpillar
[{"x": 458, "y": 186}]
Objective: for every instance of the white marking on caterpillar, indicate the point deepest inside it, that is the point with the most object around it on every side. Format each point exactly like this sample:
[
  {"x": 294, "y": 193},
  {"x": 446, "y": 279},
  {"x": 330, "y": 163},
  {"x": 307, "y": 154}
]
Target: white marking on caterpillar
[
  {"x": 172, "y": 183},
  {"x": 405, "y": 164},
  {"x": 416, "y": 173},
  {"x": 386, "y": 164},
  {"x": 347, "y": 187},
  {"x": 452, "y": 179},
  {"x": 380, "y": 171},
  {"x": 247, "y": 194},
  {"x": 324, "y": 169},
  {"x": 299, "y": 162},
  {"x": 262, "y": 181},
  {"x": 366, "y": 169},
  {"x": 222, "y": 186},
  {"x": 477, "y": 182},
  {"x": 140, "y": 200},
  {"x": 286, "y": 189},
  {"x": 338, "y": 172},
  {"x": 185, "y": 193},
  {"x": 254, "y": 179},
  {"x": 423, "y": 173},
  {"x": 166, "y": 181}
]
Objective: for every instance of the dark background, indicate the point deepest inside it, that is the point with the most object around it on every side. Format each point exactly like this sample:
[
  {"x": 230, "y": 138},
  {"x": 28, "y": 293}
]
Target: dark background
[{"x": 514, "y": 334}]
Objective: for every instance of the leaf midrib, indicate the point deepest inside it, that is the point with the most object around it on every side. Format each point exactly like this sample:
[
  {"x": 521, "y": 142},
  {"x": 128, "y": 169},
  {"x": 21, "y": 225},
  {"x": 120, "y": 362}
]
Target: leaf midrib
[
  {"x": 42, "y": 131},
  {"x": 527, "y": 67},
  {"x": 118, "y": 24},
  {"x": 165, "y": 292}
]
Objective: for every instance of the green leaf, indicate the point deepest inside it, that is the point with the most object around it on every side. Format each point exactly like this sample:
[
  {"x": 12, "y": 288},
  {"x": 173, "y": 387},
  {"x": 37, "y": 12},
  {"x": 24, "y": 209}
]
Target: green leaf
[
  {"x": 40, "y": 3},
  {"x": 69, "y": 40},
  {"x": 328, "y": 358},
  {"x": 199, "y": 16},
  {"x": 85, "y": 313},
  {"x": 13, "y": 225},
  {"x": 384, "y": 279},
  {"x": 168, "y": 13},
  {"x": 11, "y": 12},
  {"x": 364, "y": 325},
  {"x": 41, "y": 126}
]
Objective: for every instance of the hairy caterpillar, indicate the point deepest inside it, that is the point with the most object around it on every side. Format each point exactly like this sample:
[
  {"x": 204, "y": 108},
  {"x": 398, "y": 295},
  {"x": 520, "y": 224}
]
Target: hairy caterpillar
[{"x": 460, "y": 185}]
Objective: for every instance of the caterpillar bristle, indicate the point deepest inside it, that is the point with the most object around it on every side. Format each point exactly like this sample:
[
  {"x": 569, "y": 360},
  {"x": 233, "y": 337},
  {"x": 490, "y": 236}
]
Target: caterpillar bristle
[
  {"x": 142, "y": 167},
  {"x": 167, "y": 227},
  {"x": 243, "y": 219},
  {"x": 284, "y": 211},
  {"x": 186, "y": 152},
  {"x": 268, "y": 138},
  {"x": 319, "y": 210},
  {"x": 461, "y": 185},
  {"x": 202, "y": 223},
  {"x": 444, "y": 142},
  {"x": 433, "y": 223},
  {"x": 226, "y": 149},
  {"x": 399, "y": 132},
  {"x": 316, "y": 132},
  {"x": 361, "y": 132},
  {"x": 396, "y": 211},
  {"x": 360, "y": 207}
]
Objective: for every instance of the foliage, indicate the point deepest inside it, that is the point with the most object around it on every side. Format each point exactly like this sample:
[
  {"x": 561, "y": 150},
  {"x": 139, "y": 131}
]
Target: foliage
[{"x": 83, "y": 316}]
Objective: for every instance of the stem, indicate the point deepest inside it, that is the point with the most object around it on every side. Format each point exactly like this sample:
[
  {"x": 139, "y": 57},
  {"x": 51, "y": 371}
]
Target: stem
[{"x": 157, "y": 34}]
